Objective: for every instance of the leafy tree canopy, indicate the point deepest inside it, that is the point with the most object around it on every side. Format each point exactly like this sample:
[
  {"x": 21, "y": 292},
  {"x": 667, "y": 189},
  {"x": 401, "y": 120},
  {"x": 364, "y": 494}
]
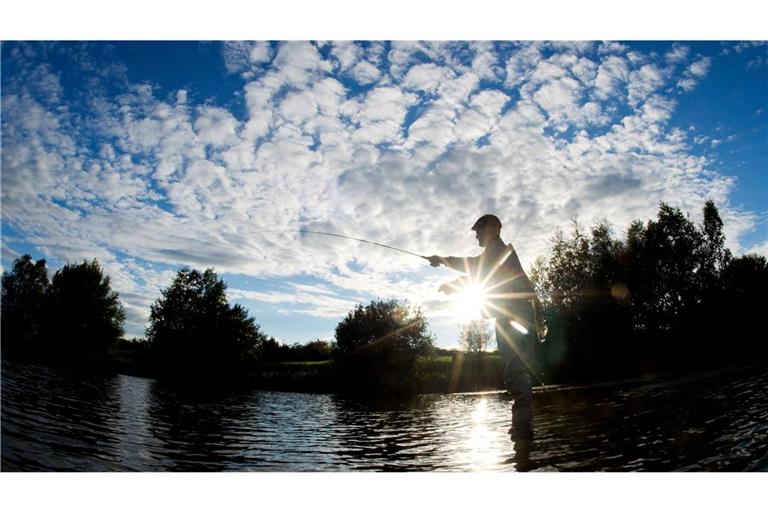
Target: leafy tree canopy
[
  {"x": 82, "y": 311},
  {"x": 192, "y": 325},
  {"x": 23, "y": 295},
  {"x": 389, "y": 322}
]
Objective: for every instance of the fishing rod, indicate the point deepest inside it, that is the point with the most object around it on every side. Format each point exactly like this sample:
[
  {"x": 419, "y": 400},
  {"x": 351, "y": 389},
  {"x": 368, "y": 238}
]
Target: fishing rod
[{"x": 344, "y": 236}]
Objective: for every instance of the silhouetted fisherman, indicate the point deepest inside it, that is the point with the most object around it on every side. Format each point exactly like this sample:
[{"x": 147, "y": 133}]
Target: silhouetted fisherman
[{"x": 511, "y": 300}]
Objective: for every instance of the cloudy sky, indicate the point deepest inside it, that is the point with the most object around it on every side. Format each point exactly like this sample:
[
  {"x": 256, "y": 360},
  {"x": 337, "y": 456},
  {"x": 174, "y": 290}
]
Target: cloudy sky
[{"x": 150, "y": 156}]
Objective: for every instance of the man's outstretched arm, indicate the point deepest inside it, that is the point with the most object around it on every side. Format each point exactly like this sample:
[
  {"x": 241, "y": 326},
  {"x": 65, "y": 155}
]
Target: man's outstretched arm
[{"x": 468, "y": 264}]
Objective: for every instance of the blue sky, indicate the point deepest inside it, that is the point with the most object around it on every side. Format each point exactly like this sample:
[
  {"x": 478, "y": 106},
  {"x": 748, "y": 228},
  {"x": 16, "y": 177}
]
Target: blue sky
[{"x": 150, "y": 156}]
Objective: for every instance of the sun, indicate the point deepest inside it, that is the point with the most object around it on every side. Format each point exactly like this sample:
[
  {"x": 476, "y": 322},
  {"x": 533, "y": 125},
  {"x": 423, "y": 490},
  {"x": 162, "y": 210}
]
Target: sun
[{"x": 469, "y": 303}]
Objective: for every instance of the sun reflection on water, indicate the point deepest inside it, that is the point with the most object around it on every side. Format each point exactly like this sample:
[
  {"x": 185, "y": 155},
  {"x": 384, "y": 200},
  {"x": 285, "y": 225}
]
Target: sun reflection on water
[{"x": 482, "y": 447}]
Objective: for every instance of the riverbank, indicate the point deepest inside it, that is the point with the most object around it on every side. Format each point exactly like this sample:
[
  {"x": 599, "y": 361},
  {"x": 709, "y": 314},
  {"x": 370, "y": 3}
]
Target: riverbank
[
  {"x": 456, "y": 372},
  {"x": 426, "y": 374},
  {"x": 439, "y": 373}
]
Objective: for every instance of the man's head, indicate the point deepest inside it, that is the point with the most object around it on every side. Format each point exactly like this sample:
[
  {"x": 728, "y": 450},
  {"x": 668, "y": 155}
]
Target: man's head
[{"x": 487, "y": 228}]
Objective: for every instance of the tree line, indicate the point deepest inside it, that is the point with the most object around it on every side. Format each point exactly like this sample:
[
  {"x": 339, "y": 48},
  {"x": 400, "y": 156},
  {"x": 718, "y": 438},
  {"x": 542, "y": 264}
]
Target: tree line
[
  {"x": 667, "y": 296},
  {"x": 193, "y": 332},
  {"x": 73, "y": 314}
]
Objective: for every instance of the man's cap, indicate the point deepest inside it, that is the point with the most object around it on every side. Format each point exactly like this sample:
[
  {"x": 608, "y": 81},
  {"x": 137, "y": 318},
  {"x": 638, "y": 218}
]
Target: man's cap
[{"x": 487, "y": 220}]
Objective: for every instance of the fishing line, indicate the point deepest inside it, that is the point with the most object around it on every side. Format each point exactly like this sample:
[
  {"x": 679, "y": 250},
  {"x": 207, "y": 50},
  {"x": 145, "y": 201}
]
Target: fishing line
[{"x": 343, "y": 236}]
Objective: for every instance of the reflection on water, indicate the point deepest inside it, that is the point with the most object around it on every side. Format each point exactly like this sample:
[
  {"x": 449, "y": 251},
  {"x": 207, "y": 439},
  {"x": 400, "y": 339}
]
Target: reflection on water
[{"x": 56, "y": 419}]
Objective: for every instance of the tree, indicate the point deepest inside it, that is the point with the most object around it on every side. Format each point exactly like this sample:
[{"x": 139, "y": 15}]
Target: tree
[
  {"x": 23, "y": 296},
  {"x": 271, "y": 350},
  {"x": 194, "y": 329},
  {"x": 565, "y": 278},
  {"x": 377, "y": 347},
  {"x": 714, "y": 255},
  {"x": 83, "y": 313},
  {"x": 670, "y": 296},
  {"x": 744, "y": 281},
  {"x": 475, "y": 336},
  {"x": 389, "y": 322},
  {"x": 583, "y": 288},
  {"x": 672, "y": 247},
  {"x": 315, "y": 350}
]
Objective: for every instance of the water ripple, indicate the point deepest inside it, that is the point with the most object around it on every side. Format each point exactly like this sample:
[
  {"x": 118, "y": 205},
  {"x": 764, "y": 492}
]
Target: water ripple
[{"x": 56, "y": 419}]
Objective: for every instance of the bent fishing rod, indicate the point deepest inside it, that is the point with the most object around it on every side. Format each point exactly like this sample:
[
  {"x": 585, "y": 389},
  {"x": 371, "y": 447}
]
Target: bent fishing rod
[{"x": 344, "y": 236}]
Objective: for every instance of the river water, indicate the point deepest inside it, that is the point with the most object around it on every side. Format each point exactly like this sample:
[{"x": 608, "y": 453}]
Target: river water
[{"x": 56, "y": 419}]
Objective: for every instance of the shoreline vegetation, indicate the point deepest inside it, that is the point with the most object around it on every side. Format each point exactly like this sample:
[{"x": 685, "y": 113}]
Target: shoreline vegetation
[
  {"x": 668, "y": 298},
  {"x": 452, "y": 372},
  {"x": 439, "y": 374}
]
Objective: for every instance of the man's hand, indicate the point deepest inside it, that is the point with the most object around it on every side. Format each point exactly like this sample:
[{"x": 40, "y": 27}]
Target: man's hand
[{"x": 435, "y": 260}]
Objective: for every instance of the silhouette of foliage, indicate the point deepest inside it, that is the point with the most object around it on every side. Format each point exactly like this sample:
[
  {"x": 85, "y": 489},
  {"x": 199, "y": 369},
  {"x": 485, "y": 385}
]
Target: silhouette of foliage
[
  {"x": 82, "y": 312},
  {"x": 741, "y": 298},
  {"x": 23, "y": 295},
  {"x": 378, "y": 345},
  {"x": 666, "y": 297},
  {"x": 271, "y": 350},
  {"x": 193, "y": 329},
  {"x": 315, "y": 350},
  {"x": 384, "y": 322}
]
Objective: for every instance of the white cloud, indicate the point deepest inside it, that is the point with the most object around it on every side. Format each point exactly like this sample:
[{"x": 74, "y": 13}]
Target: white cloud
[
  {"x": 700, "y": 68},
  {"x": 485, "y": 61},
  {"x": 174, "y": 182},
  {"x": 643, "y": 82},
  {"x": 678, "y": 53},
  {"x": 695, "y": 72},
  {"x": 521, "y": 62},
  {"x": 612, "y": 74},
  {"x": 346, "y": 53},
  {"x": 301, "y": 300},
  {"x": 299, "y": 63},
  {"x": 365, "y": 73},
  {"x": 612, "y": 47},
  {"x": 687, "y": 84},
  {"x": 760, "y": 249},
  {"x": 585, "y": 70},
  {"x": 216, "y": 126},
  {"x": 425, "y": 77},
  {"x": 260, "y": 52},
  {"x": 385, "y": 104},
  {"x": 244, "y": 57},
  {"x": 546, "y": 71}
]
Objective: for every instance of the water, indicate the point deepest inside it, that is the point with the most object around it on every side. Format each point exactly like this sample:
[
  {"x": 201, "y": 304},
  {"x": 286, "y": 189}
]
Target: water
[{"x": 58, "y": 420}]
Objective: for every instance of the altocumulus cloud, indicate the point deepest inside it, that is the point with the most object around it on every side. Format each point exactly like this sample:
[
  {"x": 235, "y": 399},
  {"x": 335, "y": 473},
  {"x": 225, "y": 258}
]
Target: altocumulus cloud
[{"x": 405, "y": 143}]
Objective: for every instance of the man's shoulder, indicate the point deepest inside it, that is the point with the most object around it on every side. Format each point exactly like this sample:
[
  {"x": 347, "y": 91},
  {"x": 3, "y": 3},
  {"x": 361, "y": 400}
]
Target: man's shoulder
[
  {"x": 496, "y": 245},
  {"x": 499, "y": 248}
]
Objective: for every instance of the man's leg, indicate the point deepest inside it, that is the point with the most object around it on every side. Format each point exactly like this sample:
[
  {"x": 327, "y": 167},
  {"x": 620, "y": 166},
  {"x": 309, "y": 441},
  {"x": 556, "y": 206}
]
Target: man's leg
[
  {"x": 516, "y": 354},
  {"x": 519, "y": 385}
]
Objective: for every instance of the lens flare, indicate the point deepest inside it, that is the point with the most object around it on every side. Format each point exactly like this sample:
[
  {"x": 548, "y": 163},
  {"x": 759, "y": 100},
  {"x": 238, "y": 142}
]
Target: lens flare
[
  {"x": 469, "y": 303},
  {"x": 518, "y": 326}
]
